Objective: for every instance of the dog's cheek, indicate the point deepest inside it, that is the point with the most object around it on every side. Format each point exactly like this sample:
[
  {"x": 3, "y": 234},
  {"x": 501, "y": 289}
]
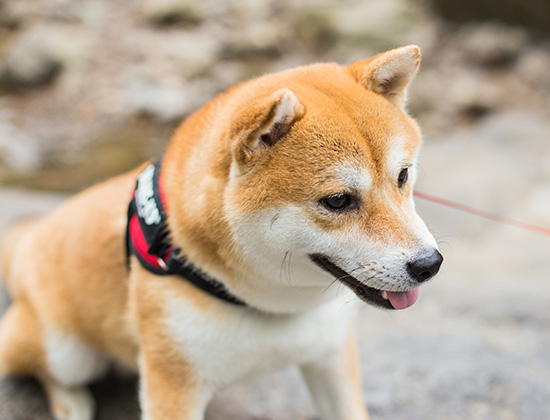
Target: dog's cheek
[{"x": 269, "y": 230}]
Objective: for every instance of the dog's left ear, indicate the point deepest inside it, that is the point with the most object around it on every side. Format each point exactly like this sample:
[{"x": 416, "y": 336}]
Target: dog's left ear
[
  {"x": 389, "y": 73},
  {"x": 265, "y": 121}
]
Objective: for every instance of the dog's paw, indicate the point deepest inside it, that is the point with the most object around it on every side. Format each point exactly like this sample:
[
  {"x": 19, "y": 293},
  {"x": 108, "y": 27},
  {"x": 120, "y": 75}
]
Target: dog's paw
[{"x": 71, "y": 403}]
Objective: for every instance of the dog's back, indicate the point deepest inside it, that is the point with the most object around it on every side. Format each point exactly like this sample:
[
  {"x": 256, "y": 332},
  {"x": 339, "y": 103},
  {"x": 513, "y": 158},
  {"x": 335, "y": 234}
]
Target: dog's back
[
  {"x": 50, "y": 266},
  {"x": 12, "y": 250}
]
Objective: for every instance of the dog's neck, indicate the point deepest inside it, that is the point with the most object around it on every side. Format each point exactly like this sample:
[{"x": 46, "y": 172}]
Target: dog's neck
[
  {"x": 198, "y": 225},
  {"x": 148, "y": 237}
]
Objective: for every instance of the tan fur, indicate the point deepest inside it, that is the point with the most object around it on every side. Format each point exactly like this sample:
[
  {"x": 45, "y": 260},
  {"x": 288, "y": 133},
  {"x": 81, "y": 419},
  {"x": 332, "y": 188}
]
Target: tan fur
[
  {"x": 170, "y": 378},
  {"x": 13, "y": 240},
  {"x": 252, "y": 150},
  {"x": 21, "y": 331}
]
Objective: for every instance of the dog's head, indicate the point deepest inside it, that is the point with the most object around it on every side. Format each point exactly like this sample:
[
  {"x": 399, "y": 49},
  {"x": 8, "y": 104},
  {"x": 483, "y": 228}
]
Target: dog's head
[{"x": 323, "y": 166}]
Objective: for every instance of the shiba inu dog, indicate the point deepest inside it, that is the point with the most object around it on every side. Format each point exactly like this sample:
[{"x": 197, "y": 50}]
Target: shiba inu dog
[{"x": 243, "y": 251}]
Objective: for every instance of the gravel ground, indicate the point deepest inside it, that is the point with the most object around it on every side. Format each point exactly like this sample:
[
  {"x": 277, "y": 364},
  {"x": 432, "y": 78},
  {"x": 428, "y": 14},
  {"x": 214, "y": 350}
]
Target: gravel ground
[{"x": 476, "y": 344}]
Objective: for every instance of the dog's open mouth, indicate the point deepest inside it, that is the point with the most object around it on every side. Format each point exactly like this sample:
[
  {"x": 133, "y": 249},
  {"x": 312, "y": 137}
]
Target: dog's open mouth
[{"x": 382, "y": 298}]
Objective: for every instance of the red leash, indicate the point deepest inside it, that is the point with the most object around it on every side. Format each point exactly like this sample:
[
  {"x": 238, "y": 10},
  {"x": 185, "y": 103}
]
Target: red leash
[{"x": 481, "y": 213}]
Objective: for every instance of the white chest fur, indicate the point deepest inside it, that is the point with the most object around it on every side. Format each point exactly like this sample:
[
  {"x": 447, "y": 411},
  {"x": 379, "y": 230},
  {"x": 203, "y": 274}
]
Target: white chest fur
[{"x": 245, "y": 344}]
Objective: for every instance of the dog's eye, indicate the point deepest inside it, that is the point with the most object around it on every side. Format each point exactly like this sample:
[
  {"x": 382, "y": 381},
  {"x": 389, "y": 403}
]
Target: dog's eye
[
  {"x": 339, "y": 202},
  {"x": 403, "y": 176}
]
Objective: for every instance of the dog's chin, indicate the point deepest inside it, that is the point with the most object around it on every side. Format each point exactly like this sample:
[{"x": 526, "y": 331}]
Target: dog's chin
[{"x": 367, "y": 294}]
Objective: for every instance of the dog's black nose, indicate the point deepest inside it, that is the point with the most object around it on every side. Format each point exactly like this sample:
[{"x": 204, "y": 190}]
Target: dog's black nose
[{"x": 425, "y": 267}]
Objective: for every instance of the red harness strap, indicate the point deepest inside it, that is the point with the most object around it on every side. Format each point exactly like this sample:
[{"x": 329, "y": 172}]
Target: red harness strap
[
  {"x": 147, "y": 229},
  {"x": 147, "y": 237},
  {"x": 141, "y": 247}
]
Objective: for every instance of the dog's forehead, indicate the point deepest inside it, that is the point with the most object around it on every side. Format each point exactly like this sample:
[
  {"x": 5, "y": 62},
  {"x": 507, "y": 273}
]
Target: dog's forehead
[
  {"x": 359, "y": 117},
  {"x": 389, "y": 133},
  {"x": 400, "y": 153},
  {"x": 369, "y": 144},
  {"x": 353, "y": 176},
  {"x": 359, "y": 172}
]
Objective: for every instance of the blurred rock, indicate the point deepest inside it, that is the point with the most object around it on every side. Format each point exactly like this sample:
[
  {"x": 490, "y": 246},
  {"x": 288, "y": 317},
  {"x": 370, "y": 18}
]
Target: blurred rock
[
  {"x": 261, "y": 38},
  {"x": 368, "y": 22},
  {"x": 477, "y": 70},
  {"x": 38, "y": 54},
  {"x": 29, "y": 61},
  {"x": 534, "y": 14},
  {"x": 258, "y": 29},
  {"x": 474, "y": 95},
  {"x": 170, "y": 12},
  {"x": 533, "y": 66},
  {"x": 191, "y": 54},
  {"x": 371, "y": 26},
  {"x": 492, "y": 44},
  {"x": 103, "y": 65},
  {"x": 15, "y": 13},
  {"x": 162, "y": 101},
  {"x": 18, "y": 150}
]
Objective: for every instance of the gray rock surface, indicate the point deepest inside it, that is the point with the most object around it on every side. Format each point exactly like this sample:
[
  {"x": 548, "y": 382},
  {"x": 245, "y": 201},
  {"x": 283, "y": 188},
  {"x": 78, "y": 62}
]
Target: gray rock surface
[{"x": 475, "y": 346}]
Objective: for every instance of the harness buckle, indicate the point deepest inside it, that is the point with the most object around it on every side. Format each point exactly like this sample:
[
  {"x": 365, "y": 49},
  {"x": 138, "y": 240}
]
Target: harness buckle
[{"x": 162, "y": 264}]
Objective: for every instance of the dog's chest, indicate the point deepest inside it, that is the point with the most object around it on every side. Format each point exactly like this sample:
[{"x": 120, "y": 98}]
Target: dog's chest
[{"x": 246, "y": 344}]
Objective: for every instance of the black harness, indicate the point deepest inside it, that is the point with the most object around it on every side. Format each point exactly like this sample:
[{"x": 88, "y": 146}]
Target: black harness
[{"x": 147, "y": 237}]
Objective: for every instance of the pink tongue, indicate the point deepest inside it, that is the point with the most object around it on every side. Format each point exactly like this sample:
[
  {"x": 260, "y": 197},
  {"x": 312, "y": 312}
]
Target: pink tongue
[{"x": 402, "y": 300}]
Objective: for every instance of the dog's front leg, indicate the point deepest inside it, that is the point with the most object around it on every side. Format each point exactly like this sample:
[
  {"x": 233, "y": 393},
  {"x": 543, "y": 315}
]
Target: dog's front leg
[
  {"x": 335, "y": 384},
  {"x": 171, "y": 387},
  {"x": 169, "y": 390}
]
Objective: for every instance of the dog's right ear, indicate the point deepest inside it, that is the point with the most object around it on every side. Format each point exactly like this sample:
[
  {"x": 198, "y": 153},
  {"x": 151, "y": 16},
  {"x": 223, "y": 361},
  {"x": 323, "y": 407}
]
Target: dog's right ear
[
  {"x": 389, "y": 73},
  {"x": 262, "y": 124}
]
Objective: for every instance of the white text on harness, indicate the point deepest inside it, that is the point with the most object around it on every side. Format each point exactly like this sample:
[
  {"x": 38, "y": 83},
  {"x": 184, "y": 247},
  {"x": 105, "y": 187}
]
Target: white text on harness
[{"x": 145, "y": 197}]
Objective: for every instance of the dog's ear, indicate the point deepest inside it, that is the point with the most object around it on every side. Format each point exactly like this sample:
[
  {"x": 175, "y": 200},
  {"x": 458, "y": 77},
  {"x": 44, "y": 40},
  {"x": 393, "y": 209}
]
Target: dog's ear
[
  {"x": 263, "y": 123},
  {"x": 389, "y": 73}
]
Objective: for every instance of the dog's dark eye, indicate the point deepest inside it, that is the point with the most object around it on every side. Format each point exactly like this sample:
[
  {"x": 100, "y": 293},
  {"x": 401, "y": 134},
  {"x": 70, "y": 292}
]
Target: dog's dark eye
[
  {"x": 403, "y": 176},
  {"x": 339, "y": 202}
]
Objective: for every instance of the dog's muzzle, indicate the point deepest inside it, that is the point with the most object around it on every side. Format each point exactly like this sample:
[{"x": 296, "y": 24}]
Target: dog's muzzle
[{"x": 421, "y": 269}]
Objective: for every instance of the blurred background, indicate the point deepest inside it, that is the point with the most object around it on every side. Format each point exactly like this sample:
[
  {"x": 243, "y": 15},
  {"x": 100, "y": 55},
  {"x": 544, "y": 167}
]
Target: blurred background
[{"x": 91, "y": 88}]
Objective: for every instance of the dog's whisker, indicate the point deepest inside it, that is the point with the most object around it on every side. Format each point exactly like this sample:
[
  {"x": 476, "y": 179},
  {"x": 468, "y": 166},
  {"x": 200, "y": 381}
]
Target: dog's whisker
[
  {"x": 285, "y": 269},
  {"x": 282, "y": 268},
  {"x": 273, "y": 220},
  {"x": 288, "y": 267},
  {"x": 330, "y": 285}
]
